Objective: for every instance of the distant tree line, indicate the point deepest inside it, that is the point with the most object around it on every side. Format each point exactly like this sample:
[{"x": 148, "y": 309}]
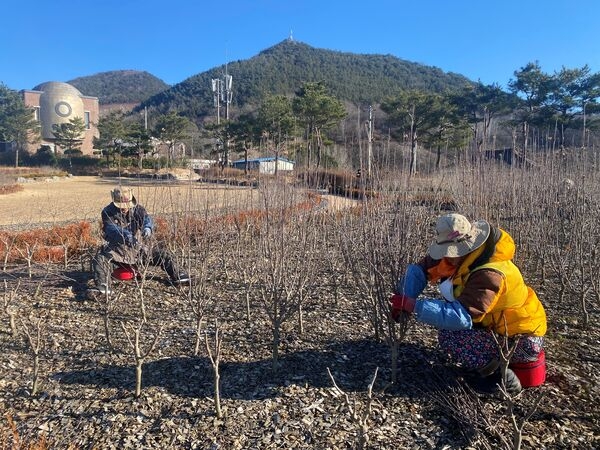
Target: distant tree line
[
  {"x": 120, "y": 86},
  {"x": 538, "y": 112}
]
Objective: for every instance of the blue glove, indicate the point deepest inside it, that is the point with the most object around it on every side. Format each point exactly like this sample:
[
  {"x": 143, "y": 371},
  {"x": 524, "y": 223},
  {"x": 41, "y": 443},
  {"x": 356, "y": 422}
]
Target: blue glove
[
  {"x": 147, "y": 232},
  {"x": 413, "y": 282}
]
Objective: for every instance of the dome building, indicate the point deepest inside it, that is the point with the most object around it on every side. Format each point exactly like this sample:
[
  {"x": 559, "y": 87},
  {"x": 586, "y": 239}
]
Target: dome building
[{"x": 55, "y": 103}]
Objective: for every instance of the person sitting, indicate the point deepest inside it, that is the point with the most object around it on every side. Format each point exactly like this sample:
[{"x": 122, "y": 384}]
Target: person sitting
[
  {"x": 127, "y": 229},
  {"x": 484, "y": 295}
]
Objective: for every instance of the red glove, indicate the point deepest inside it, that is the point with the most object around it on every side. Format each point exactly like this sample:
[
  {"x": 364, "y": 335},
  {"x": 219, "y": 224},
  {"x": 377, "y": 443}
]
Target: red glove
[{"x": 401, "y": 303}]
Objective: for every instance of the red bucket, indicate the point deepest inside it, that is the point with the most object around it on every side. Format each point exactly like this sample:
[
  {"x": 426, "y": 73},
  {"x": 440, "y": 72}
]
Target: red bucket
[
  {"x": 533, "y": 373},
  {"x": 124, "y": 273}
]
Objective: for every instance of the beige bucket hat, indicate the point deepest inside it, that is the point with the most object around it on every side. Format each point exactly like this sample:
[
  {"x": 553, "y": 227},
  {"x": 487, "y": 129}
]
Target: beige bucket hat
[
  {"x": 456, "y": 236},
  {"x": 123, "y": 197}
]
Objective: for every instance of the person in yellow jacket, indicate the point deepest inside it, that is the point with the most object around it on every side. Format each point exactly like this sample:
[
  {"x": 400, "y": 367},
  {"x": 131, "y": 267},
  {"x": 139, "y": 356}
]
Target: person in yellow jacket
[{"x": 483, "y": 293}]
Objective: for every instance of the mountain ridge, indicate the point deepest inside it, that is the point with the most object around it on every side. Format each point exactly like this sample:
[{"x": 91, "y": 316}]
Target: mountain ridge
[
  {"x": 279, "y": 69},
  {"x": 120, "y": 86},
  {"x": 282, "y": 68}
]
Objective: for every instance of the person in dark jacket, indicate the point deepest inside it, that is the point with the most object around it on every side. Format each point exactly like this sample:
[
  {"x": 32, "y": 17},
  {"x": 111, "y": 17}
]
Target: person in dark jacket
[
  {"x": 484, "y": 296},
  {"x": 127, "y": 229}
]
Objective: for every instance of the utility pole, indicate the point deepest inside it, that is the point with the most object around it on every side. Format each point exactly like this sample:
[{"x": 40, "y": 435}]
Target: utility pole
[{"x": 369, "y": 125}]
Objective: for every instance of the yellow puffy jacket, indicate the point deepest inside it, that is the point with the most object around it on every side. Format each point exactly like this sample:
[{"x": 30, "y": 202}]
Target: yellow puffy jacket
[{"x": 512, "y": 307}]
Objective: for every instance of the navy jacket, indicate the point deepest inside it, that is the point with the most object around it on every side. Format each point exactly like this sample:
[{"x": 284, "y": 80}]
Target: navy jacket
[{"x": 119, "y": 229}]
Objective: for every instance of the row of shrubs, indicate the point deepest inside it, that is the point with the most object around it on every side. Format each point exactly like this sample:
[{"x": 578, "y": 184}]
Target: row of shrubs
[
  {"x": 46, "y": 244},
  {"x": 57, "y": 243}
]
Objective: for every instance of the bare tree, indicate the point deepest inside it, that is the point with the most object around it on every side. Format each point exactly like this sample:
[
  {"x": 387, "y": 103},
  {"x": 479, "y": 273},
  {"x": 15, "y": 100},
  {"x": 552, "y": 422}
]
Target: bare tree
[
  {"x": 134, "y": 334},
  {"x": 377, "y": 246},
  {"x": 197, "y": 249},
  {"x": 32, "y": 328},
  {"x": 8, "y": 306},
  {"x": 214, "y": 355},
  {"x": 108, "y": 306},
  {"x": 28, "y": 252},
  {"x": 242, "y": 248},
  {"x": 359, "y": 413},
  {"x": 284, "y": 264}
]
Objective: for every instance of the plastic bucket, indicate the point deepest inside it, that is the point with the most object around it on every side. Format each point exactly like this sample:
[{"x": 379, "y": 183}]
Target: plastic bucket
[
  {"x": 533, "y": 373},
  {"x": 124, "y": 273}
]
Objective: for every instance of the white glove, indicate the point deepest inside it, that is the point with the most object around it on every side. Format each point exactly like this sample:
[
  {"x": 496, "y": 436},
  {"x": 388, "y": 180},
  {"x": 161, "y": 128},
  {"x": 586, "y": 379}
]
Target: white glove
[
  {"x": 147, "y": 232},
  {"x": 447, "y": 290}
]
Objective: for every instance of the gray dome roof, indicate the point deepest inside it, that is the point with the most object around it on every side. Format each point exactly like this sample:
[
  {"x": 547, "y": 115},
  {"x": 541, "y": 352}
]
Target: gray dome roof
[{"x": 57, "y": 86}]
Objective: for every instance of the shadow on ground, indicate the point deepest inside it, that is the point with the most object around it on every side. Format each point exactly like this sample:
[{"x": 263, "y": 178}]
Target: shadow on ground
[{"x": 352, "y": 363}]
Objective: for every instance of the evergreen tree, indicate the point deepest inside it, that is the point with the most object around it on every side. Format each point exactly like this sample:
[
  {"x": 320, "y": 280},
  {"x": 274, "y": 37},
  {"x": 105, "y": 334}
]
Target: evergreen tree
[
  {"x": 316, "y": 112},
  {"x": 479, "y": 105},
  {"x": 418, "y": 115},
  {"x": 69, "y": 136},
  {"x": 276, "y": 123},
  {"x": 170, "y": 129},
  {"x": 113, "y": 133},
  {"x": 17, "y": 121},
  {"x": 245, "y": 132}
]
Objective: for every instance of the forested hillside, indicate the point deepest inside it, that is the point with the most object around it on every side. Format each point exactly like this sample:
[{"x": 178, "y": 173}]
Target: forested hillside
[
  {"x": 120, "y": 86},
  {"x": 282, "y": 69}
]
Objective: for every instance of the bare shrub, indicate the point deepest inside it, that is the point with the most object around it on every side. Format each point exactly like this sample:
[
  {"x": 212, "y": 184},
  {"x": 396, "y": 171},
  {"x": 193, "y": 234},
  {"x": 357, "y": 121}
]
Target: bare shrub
[
  {"x": 359, "y": 413},
  {"x": 284, "y": 264},
  {"x": 506, "y": 350},
  {"x": 9, "y": 305},
  {"x": 10, "y": 188},
  {"x": 134, "y": 336},
  {"x": 378, "y": 241},
  {"x": 34, "y": 338},
  {"x": 214, "y": 354}
]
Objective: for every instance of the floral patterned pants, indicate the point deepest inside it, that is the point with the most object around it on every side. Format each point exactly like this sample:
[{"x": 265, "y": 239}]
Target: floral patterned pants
[{"x": 473, "y": 349}]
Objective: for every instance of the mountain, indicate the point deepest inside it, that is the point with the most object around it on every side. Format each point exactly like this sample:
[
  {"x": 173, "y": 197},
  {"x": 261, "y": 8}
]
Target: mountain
[
  {"x": 120, "y": 86},
  {"x": 281, "y": 69}
]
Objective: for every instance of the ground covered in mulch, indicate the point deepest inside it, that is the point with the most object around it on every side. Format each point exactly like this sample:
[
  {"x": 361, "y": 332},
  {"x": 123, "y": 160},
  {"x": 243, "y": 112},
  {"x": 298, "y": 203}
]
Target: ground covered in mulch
[{"x": 86, "y": 396}]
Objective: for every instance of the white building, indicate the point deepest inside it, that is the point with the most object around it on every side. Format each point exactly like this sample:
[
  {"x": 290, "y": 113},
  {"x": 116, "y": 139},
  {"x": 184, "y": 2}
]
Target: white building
[{"x": 265, "y": 165}]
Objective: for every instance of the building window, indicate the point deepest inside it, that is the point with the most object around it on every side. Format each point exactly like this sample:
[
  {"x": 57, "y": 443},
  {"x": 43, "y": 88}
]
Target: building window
[
  {"x": 87, "y": 119},
  {"x": 36, "y": 113}
]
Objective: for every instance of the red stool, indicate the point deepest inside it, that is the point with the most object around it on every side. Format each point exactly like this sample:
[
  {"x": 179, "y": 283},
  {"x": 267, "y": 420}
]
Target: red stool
[
  {"x": 124, "y": 273},
  {"x": 533, "y": 373}
]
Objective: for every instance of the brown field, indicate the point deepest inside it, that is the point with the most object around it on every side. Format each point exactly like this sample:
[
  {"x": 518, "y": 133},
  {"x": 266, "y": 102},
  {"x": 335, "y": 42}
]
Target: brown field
[
  {"x": 70, "y": 199},
  {"x": 61, "y": 200}
]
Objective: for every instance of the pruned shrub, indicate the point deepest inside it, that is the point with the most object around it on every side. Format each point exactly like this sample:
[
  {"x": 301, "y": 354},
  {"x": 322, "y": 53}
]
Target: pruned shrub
[{"x": 46, "y": 244}]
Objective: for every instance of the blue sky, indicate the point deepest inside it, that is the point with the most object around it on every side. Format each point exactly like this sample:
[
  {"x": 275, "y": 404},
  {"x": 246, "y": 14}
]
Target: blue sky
[{"x": 58, "y": 40}]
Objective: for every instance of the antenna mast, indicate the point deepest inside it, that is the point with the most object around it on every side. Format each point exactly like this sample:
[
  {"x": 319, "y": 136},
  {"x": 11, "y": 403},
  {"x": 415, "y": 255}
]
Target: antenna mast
[
  {"x": 228, "y": 92},
  {"x": 222, "y": 93}
]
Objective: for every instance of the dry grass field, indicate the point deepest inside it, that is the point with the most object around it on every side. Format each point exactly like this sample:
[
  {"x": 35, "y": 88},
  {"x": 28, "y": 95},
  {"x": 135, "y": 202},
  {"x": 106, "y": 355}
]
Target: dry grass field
[{"x": 59, "y": 200}]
